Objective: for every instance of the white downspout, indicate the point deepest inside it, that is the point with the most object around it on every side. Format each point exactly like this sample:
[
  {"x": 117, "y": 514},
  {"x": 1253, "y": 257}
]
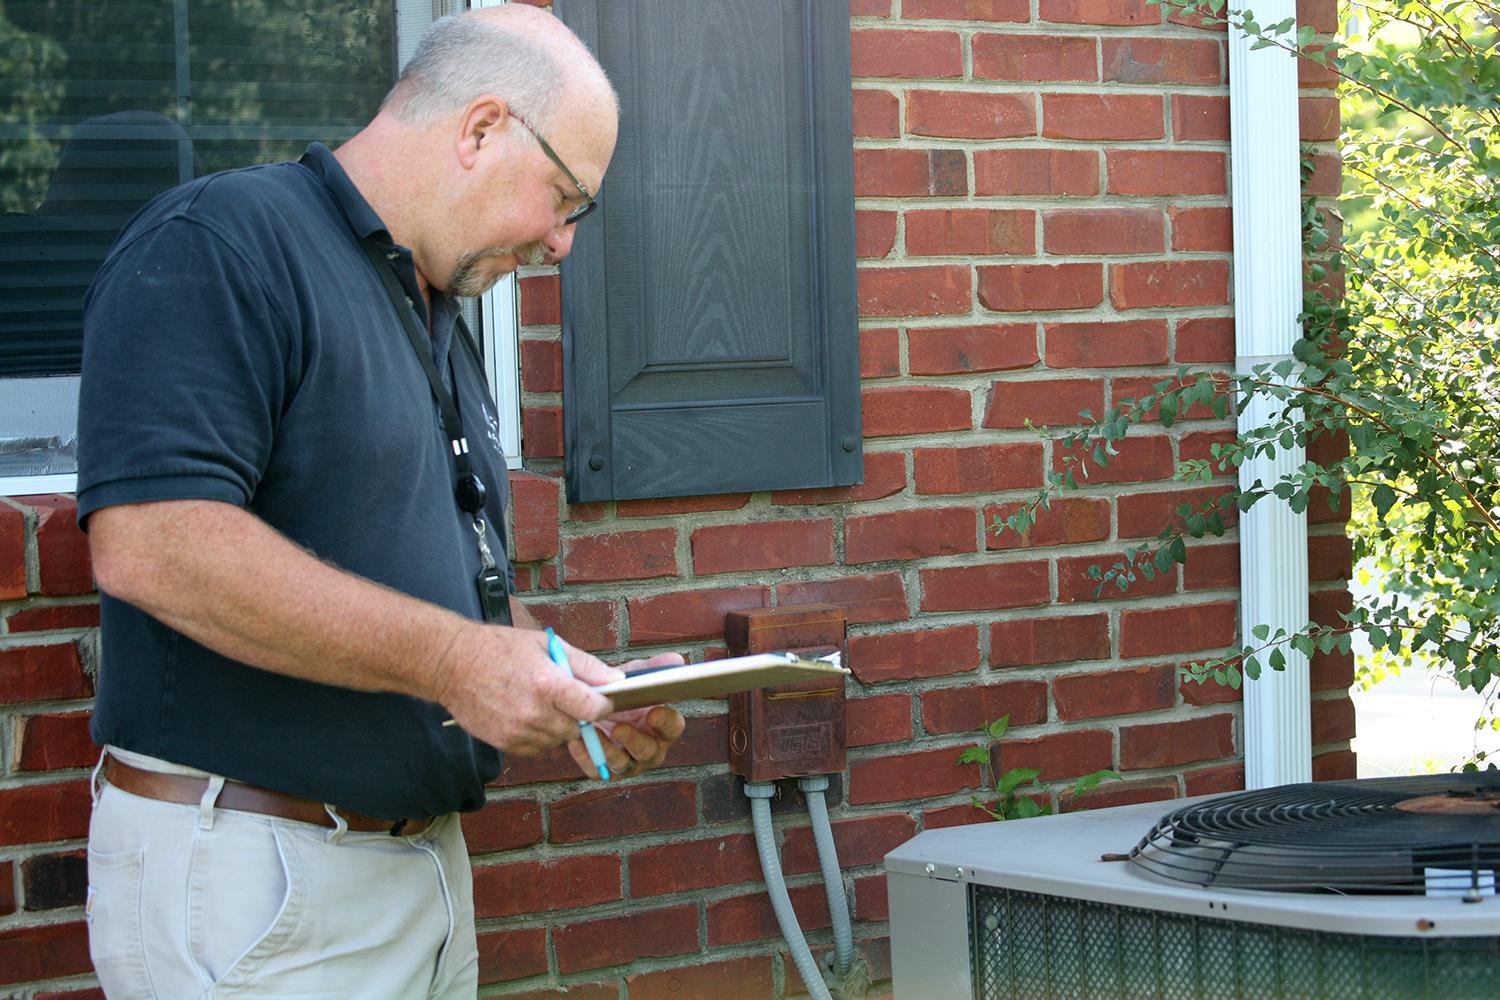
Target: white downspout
[{"x": 1266, "y": 206}]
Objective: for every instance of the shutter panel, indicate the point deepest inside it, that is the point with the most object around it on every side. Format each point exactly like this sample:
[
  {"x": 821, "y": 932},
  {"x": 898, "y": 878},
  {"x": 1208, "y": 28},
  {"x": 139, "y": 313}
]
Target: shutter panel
[{"x": 709, "y": 317}]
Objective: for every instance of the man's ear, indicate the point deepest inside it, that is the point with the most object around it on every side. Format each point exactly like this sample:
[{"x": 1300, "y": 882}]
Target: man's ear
[{"x": 481, "y": 123}]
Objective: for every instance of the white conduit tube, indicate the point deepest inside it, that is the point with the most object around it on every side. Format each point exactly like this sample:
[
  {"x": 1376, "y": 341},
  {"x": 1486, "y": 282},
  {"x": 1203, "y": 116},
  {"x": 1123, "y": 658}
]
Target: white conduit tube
[
  {"x": 813, "y": 788},
  {"x": 760, "y": 794}
]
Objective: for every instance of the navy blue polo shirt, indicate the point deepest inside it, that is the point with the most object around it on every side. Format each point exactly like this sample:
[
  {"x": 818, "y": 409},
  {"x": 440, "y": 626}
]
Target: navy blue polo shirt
[{"x": 239, "y": 347}]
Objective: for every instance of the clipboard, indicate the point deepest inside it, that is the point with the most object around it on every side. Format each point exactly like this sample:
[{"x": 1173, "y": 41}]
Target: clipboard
[{"x": 712, "y": 678}]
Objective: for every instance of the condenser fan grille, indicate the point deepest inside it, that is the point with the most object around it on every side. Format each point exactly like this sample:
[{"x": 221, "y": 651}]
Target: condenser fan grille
[{"x": 1432, "y": 833}]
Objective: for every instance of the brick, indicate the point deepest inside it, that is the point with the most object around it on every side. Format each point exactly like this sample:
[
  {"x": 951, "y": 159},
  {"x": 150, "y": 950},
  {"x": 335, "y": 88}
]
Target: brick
[
  {"x": 1207, "y": 229},
  {"x": 914, "y": 291},
  {"x": 673, "y": 506},
  {"x": 1116, "y": 12},
  {"x": 1310, "y": 75},
  {"x": 1184, "y": 629},
  {"x": 1208, "y": 692},
  {"x": 534, "y": 504},
  {"x": 1046, "y": 403},
  {"x": 960, "y": 815},
  {"x": 954, "y": 114},
  {"x": 1134, "y": 387},
  {"x": 1332, "y": 722},
  {"x": 906, "y": 173},
  {"x": 1199, "y": 445},
  {"x": 12, "y": 553},
  {"x": 62, "y": 549},
  {"x": 1328, "y": 447},
  {"x": 1322, "y": 15},
  {"x": 967, "y": 10},
  {"x": 594, "y": 944},
  {"x": 704, "y": 741},
  {"x": 881, "y": 52},
  {"x": 588, "y": 625},
  {"x": 881, "y": 719},
  {"x": 970, "y": 708},
  {"x": 1069, "y": 521},
  {"x": 1203, "y": 341},
  {"x": 1039, "y": 58},
  {"x": 748, "y": 977},
  {"x": 919, "y": 409},
  {"x": 1093, "y": 117},
  {"x": 1146, "y": 515},
  {"x": 879, "y": 353},
  {"x": 36, "y": 814},
  {"x": 885, "y": 475},
  {"x": 724, "y": 800},
  {"x": 1212, "y": 567},
  {"x": 1336, "y": 765},
  {"x": 1094, "y": 231},
  {"x": 1041, "y": 287},
  {"x": 53, "y": 618},
  {"x": 696, "y": 864},
  {"x": 874, "y": 233},
  {"x": 1327, "y": 507},
  {"x": 573, "y": 991},
  {"x": 1128, "y": 344},
  {"x": 909, "y": 534},
  {"x": 41, "y": 673},
  {"x": 1161, "y": 60},
  {"x": 920, "y": 774},
  {"x": 1318, "y": 118},
  {"x": 1167, "y": 744},
  {"x": 507, "y": 955},
  {"x": 871, "y": 901},
  {"x": 7, "y": 887},
  {"x": 621, "y": 555},
  {"x": 877, "y": 114},
  {"x": 1053, "y": 172},
  {"x": 1137, "y": 460},
  {"x": 982, "y": 468},
  {"x": 981, "y": 231},
  {"x": 1117, "y": 793},
  {"x": 869, "y": 8},
  {"x": 550, "y": 884},
  {"x": 95, "y": 994},
  {"x": 54, "y": 741},
  {"x": 1169, "y": 283},
  {"x": 858, "y": 842},
  {"x": 542, "y": 432},
  {"x": 1200, "y": 118},
  {"x": 1326, "y": 177},
  {"x": 750, "y": 918},
  {"x": 876, "y": 597},
  {"x": 552, "y": 765},
  {"x": 958, "y": 350},
  {"x": 1060, "y": 755},
  {"x": 503, "y": 826},
  {"x": 1034, "y": 641},
  {"x": 1330, "y": 557},
  {"x": 1164, "y": 173},
  {"x": 1208, "y": 780},
  {"x": 730, "y": 548},
  {"x": 29, "y": 954},
  {"x": 1074, "y": 584},
  {"x": 929, "y": 652},
  {"x": 1121, "y": 691},
  {"x": 983, "y": 588},
  {"x": 54, "y": 881},
  {"x": 617, "y": 812},
  {"x": 541, "y": 365}
]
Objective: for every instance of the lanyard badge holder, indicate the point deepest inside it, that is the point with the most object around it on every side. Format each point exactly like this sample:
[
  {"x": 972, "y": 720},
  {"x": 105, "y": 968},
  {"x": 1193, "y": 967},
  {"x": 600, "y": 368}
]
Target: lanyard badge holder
[{"x": 468, "y": 489}]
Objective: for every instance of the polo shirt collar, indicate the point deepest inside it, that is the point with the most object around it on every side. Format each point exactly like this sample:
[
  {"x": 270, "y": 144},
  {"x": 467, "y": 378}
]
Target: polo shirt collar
[{"x": 362, "y": 218}]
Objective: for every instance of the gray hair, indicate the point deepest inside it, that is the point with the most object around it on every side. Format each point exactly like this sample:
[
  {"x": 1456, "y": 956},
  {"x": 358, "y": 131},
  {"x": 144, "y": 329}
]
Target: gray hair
[{"x": 461, "y": 57}]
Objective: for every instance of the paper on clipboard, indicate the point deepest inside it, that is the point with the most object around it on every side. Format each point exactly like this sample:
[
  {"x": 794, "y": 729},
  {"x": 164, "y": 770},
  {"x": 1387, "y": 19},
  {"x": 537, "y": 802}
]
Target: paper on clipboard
[{"x": 658, "y": 685}]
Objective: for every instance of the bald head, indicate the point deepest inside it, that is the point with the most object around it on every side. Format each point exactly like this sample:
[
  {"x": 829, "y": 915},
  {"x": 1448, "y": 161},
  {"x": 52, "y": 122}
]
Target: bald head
[{"x": 524, "y": 55}]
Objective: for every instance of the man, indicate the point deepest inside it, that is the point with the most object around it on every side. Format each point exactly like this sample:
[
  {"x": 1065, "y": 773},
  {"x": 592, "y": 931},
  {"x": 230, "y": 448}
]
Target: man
[{"x": 298, "y": 691}]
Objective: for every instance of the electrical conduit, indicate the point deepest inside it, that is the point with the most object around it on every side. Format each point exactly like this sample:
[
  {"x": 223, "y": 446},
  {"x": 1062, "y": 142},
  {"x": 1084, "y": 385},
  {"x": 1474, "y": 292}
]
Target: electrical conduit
[
  {"x": 813, "y": 788},
  {"x": 760, "y": 794}
]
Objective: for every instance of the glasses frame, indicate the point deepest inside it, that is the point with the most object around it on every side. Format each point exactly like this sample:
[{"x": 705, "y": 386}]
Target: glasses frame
[{"x": 589, "y": 204}]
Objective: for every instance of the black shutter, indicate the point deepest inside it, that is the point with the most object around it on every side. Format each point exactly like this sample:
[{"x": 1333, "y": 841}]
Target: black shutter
[{"x": 710, "y": 328}]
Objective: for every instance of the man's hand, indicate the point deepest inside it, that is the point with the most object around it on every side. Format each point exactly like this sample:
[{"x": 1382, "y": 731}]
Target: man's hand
[
  {"x": 502, "y": 688},
  {"x": 638, "y": 739}
]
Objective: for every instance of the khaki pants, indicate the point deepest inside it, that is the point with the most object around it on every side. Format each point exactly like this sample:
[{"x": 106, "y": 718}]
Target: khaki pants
[{"x": 190, "y": 901}]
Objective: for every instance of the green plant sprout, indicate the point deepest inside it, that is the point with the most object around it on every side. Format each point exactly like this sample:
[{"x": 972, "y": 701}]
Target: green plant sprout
[{"x": 1015, "y": 788}]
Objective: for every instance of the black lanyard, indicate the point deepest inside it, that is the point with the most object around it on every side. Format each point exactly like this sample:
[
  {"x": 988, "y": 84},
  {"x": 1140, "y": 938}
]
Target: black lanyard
[{"x": 468, "y": 489}]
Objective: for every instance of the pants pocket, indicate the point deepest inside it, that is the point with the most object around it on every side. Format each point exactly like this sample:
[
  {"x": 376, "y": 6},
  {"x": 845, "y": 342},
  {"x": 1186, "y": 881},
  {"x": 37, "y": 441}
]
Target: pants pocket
[
  {"x": 114, "y": 920},
  {"x": 245, "y": 899}
]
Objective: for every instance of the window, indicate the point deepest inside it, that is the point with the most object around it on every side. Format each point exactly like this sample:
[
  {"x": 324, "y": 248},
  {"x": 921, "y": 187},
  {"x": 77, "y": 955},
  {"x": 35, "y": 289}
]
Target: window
[{"x": 104, "y": 105}]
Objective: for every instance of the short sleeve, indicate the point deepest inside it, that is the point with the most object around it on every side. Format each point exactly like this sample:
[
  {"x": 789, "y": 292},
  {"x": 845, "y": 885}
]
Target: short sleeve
[{"x": 185, "y": 372}]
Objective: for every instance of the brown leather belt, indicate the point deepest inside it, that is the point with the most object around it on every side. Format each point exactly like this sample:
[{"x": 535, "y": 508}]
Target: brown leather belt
[{"x": 247, "y": 798}]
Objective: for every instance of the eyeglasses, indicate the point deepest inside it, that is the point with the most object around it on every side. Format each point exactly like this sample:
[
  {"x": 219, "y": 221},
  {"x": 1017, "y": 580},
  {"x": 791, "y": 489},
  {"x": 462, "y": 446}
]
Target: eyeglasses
[{"x": 589, "y": 204}]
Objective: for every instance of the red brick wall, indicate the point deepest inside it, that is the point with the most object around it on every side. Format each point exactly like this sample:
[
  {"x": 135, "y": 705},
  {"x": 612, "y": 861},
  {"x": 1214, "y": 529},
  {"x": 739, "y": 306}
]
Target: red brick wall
[{"x": 1043, "y": 225}]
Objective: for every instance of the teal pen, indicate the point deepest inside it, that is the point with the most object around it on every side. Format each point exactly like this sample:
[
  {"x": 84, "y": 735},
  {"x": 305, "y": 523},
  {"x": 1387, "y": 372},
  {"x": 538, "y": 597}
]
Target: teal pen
[{"x": 590, "y": 736}]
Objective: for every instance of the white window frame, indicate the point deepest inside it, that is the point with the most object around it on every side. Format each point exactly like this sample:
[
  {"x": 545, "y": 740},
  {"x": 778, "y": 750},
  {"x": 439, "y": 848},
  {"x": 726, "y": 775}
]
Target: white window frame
[{"x": 498, "y": 311}]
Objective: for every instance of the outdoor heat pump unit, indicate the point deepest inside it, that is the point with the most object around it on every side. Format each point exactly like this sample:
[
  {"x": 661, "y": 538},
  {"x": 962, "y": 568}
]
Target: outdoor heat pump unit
[{"x": 1371, "y": 889}]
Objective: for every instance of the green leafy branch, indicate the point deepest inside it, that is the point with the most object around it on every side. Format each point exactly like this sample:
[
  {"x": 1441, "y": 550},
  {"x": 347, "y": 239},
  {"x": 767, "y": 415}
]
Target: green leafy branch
[{"x": 1016, "y": 789}]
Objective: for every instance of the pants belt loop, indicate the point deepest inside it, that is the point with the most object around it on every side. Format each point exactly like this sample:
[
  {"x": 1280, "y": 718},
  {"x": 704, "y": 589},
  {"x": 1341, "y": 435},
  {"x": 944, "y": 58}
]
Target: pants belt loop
[
  {"x": 94, "y": 778},
  {"x": 340, "y": 825},
  {"x": 206, "y": 804}
]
